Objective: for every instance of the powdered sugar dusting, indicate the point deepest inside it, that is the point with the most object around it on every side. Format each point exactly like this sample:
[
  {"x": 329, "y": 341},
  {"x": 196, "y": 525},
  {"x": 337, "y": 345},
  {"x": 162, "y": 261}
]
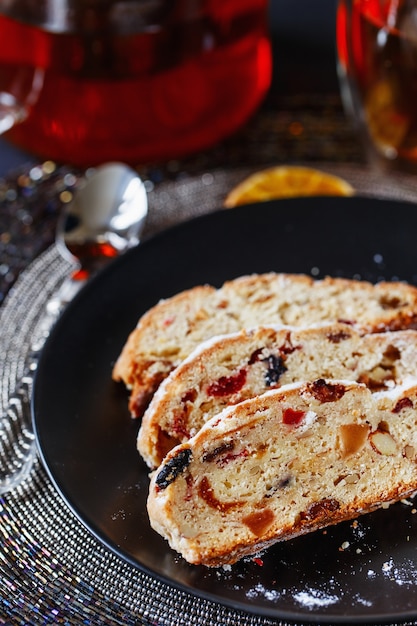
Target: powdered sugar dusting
[
  {"x": 404, "y": 573},
  {"x": 359, "y": 600},
  {"x": 312, "y": 598},
  {"x": 359, "y": 556},
  {"x": 269, "y": 594},
  {"x": 309, "y": 419},
  {"x": 309, "y": 598}
]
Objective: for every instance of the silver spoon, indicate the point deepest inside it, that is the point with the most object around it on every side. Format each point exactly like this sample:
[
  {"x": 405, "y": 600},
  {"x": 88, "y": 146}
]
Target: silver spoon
[{"x": 104, "y": 219}]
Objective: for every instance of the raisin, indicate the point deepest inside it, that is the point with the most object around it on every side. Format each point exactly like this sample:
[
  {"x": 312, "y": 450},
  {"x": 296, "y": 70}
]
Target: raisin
[
  {"x": 372, "y": 383},
  {"x": 347, "y": 322},
  {"x": 173, "y": 468},
  {"x": 320, "y": 509},
  {"x": 326, "y": 392},
  {"x": 390, "y": 302},
  {"x": 282, "y": 483},
  {"x": 276, "y": 367},
  {"x": 224, "y": 460},
  {"x": 403, "y": 403},
  {"x": 288, "y": 348},
  {"x": 189, "y": 396},
  {"x": 285, "y": 482},
  {"x": 224, "y": 447},
  {"x": 255, "y": 356},
  {"x": 391, "y": 354},
  {"x": 338, "y": 337}
]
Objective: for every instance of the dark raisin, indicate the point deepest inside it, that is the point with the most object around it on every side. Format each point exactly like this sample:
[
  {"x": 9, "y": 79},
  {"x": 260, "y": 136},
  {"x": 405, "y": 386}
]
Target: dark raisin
[
  {"x": 390, "y": 355},
  {"x": 224, "y": 447},
  {"x": 255, "y": 356},
  {"x": 224, "y": 460},
  {"x": 189, "y": 396},
  {"x": 338, "y": 337},
  {"x": 326, "y": 392},
  {"x": 320, "y": 509},
  {"x": 276, "y": 367},
  {"x": 282, "y": 483},
  {"x": 287, "y": 347},
  {"x": 390, "y": 302},
  {"x": 285, "y": 482},
  {"x": 403, "y": 403},
  {"x": 173, "y": 468},
  {"x": 371, "y": 383}
]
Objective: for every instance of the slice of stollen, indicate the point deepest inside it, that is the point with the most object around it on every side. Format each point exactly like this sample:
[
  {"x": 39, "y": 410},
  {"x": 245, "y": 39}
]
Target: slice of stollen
[
  {"x": 171, "y": 330},
  {"x": 226, "y": 370},
  {"x": 288, "y": 462}
]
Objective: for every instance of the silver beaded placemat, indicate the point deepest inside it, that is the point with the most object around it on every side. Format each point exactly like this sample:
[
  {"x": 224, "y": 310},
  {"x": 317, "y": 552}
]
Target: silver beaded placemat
[{"x": 52, "y": 570}]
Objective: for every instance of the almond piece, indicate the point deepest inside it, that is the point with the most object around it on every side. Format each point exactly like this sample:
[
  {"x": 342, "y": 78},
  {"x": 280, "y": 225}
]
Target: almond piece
[
  {"x": 409, "y": 452},
  {"x": 352, "y": 479},
  {"x": 383, "y": 443}
]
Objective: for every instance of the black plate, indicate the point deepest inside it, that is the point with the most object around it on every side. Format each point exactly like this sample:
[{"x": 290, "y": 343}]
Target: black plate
[{"x": 351, "y": 573}]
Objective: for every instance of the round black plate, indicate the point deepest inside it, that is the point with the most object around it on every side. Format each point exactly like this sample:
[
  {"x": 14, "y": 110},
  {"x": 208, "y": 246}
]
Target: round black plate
[{"x": 353, "y": 572}]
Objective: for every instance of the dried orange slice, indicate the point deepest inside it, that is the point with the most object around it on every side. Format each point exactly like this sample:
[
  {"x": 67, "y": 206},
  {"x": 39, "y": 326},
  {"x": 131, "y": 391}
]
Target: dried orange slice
[{"x": 286, "y": 181}]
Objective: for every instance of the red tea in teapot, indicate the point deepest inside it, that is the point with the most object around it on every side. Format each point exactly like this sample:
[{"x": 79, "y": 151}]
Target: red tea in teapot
[{"x": 120, "y": 86}]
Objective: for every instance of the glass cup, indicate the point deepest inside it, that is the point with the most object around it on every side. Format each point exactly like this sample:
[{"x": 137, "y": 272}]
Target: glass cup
[
  {"x": 19, "y": 90},
  {"x": 377, "y": 63},
  {"x": 135, "y": 80}
]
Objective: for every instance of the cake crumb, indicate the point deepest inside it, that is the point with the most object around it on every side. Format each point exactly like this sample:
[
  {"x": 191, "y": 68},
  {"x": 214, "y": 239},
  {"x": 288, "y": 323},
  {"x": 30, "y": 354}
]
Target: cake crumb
[{"x": 407, "y": 502}]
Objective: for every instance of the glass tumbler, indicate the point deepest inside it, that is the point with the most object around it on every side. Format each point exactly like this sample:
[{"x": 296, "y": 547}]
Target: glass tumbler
[
  {"x": 377, "y": 63},
  {"x": 135, "y": 80}
]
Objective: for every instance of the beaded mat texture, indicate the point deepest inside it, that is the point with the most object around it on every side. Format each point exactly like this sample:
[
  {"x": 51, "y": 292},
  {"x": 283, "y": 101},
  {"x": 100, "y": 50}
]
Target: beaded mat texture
[{"x": 52, "y": 570}]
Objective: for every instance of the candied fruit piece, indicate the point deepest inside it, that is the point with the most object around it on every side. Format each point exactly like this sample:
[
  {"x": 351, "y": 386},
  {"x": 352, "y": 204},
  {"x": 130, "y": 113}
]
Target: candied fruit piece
[
  {"x": 353, "y": 438},
  {"x": 227, "y": 385},
  {"x": 292, "y": 417}
]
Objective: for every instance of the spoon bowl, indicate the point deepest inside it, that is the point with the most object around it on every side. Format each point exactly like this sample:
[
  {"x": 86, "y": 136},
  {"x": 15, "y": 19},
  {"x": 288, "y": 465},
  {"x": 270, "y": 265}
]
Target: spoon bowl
[{"x": 104, "y": 219}]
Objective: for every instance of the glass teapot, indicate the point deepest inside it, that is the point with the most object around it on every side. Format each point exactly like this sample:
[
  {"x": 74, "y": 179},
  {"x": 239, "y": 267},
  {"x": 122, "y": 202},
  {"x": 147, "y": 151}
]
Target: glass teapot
[{"x": 134, "y": 80}]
